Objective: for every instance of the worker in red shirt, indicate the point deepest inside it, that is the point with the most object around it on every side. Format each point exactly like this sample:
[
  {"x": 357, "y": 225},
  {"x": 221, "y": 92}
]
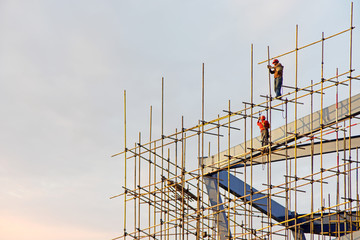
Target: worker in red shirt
[{"x": 264, "y": 126}]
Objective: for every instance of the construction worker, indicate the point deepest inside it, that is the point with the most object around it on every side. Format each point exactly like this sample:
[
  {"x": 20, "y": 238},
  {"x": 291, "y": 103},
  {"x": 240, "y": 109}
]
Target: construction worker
[
  {"x": 277, "y": 70},
  {"x": 264, "y": 126}
]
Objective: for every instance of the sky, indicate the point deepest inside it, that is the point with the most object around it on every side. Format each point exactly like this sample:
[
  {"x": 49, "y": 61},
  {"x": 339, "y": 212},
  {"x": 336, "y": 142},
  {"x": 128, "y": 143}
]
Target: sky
[{"x": 64, "y": 66}]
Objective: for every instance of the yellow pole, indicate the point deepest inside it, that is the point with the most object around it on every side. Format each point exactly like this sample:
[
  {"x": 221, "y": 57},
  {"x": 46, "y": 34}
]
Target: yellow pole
[{"x": 125, "y": 151}]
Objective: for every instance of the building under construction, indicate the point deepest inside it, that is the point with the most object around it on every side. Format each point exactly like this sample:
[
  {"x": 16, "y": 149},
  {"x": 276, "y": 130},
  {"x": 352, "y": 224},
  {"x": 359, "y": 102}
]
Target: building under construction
[{"x": 302, "y": 185}]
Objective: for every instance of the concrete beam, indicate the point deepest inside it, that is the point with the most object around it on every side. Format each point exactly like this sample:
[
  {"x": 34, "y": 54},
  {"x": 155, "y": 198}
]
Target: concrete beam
[
  {"x": 303, "y": 150},
  {"x": 278, "y": 135}
]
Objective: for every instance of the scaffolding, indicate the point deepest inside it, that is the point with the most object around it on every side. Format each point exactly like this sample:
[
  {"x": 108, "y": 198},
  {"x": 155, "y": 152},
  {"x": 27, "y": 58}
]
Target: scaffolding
[{"x": 307, "y": 175}]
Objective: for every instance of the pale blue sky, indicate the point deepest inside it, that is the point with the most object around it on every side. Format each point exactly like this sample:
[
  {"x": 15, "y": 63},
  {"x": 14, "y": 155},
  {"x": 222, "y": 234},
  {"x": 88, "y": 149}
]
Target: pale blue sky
[{"x": 65, "y": 64}]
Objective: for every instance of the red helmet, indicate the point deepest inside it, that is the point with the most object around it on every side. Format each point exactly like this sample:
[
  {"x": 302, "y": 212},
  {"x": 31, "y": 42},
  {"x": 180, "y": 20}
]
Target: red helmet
[
  {"x": 275, "y": 61},
  {"x": 262, "y": 117}
]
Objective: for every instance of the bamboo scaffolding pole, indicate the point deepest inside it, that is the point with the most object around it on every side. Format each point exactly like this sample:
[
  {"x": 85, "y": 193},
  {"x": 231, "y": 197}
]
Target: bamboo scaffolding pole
[
  {"x": 308, "y": 45},
  {"x": 168, "y": 197},
  {"x": 345, "y": 179},
  {"x": 154, "y": 189},
  {"x": 357, "y": 187},
  {"x": 162, "y": 156},
  {"x": 139, "y": 181},
  {"x": 182, "y": 179},
  {"x": 134, "y": 199},
  {"x": 176, "y": 182},
  {"x": 312, "y": 164},
  {"x": 149, "y": 179},
  {"x": 125, "y": 162},
  {"x": 208, "y": 223},
  {"x": 251, "y": 134},
  {"x": 218, "y": 181},
  {"x": 245, "y": 172},
  {"x": 329, "y": 212},
  {"x": 201, "y": 179},
  {"x": 350, "y": 85},
  {"x": 228, "y": 170},
  {"x": 321, "y": 133},
  {"x": 269, "y": 155},
  {"x": 337, "y": 156},
  {"x": 295, "y": 121},
  {"x": 287, "y": 199},
  {"x": 199, "y": 157}
]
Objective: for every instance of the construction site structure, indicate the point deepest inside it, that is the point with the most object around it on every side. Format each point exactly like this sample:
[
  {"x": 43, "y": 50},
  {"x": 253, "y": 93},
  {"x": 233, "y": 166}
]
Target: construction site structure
[{"x": 302, "y": 185}]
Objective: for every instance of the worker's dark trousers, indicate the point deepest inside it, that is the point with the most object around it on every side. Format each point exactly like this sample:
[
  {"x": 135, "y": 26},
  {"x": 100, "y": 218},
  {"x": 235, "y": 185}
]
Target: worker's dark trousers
[
  {"x": 277, "y": 85},
  {"x": 264, "y": 137}
]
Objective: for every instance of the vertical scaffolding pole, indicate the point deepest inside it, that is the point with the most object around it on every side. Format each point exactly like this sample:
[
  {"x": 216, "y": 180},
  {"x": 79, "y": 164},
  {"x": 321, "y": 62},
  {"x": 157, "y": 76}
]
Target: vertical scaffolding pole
[
  {"x": 202, "y": 133},
  {"x": 176, "y": 182},
  {"x": 168, "y": 197},
  {"x": 211, "y": 233},
  {"x": 125, "y": 167},
  {"x": 295, "y": 117},
  {"x": 245, "y": 173},
  {"x": 269, "y": 75},
  {"x": 150, "y": 184},
  {"x": 357, "y": 190},
  {"x": 312, "y": 160},
  {"x": 137, "y": 155},
  {"x": 251, "y": 137},
  {"x": 288, "y": 173},
  {"x": 269, "y": 152},
  {"x": 162, "y": 212},
  {"x": 350, "y": 112},
  {"x": 337, "y": 155},
  {"x": 139, "y": 184},
  {"x": 228, "y": 172},
  {"x": 154, "y": 186},
  {"x": 321, "y": 135},
  {"x": 218, "y": 181},
  {"x": 198, "y": 182},
  {"x": 182, "y": 220}
]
